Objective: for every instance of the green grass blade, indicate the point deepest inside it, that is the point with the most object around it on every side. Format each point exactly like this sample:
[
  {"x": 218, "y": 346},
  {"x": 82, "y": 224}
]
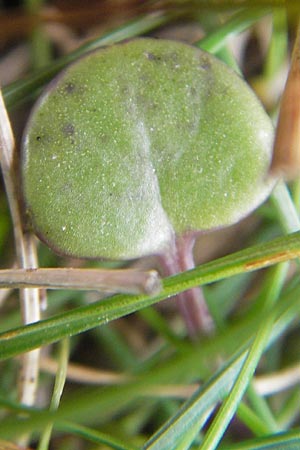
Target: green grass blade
[
  {"x": 283, "y": 441},
  {"x": 94, "y": 436},
  {"x": 228, "y": 408},
  {"x": 114, "y": 344},
  {"x": 22, "y": 90},
  {"x": 263, "y": 410},
  {"x": 198, "y": 408},
  {"x": 195, "y": 410},
  {"x": 252, "y": 420},
  {"x": 86, "y": 317},
  {"x": 104, "y": 402},
  {"x": 289, "y": 412},
  {"x": 60, "y": 379},
  {"x": 215, "y": 40},
  {"x": 279, "y": 44}
]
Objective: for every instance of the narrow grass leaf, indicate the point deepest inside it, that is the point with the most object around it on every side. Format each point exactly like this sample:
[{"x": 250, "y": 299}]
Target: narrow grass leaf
[
  {"x": 228, "y": 408},
  {"x": 283, "y": 441},
  {"x": 239, "y": 22},
  {"x": 252, "y": 420},
  {"x": 104, "y": 402},
  {"x": 23, "y": 90},
  {"x": 83, "y": 318},
  {"x": 198, "y": 408},
  {"x": 58, "y": 389},
  {"x": 95, "y": 436}
]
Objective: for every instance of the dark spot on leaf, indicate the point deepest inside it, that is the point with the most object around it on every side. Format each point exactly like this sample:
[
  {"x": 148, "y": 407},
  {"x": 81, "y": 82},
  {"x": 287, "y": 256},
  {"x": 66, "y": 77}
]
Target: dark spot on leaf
[
  {"x": 205, "y": 64},
  {"x": 38, "y": 138},
  {"x": 69, "y": 88},
  {"x": 67, "y": 187},
  {"x": 152, "y": 57},
  {"x": 68, "y": 129}
]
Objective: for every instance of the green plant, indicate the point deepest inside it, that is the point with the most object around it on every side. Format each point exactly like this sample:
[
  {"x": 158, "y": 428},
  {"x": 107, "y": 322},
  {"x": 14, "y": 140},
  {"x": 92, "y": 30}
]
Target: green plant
[{"x": 137, "y": 148}]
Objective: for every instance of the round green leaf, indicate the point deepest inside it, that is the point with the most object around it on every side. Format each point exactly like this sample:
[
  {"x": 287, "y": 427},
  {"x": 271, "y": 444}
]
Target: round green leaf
[{"x": 136, "y": 142}]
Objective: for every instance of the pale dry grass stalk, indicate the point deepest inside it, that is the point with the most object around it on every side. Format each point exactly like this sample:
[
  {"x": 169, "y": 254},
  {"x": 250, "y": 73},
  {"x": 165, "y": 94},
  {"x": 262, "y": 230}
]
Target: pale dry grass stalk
[
  {"x": 83, "y": 374},
  {"x": 130, "y": 281},
  {"x": 26, "y": 257},
  {"x": 265, "y": 385},
  {"x": 276, "y": 382}
]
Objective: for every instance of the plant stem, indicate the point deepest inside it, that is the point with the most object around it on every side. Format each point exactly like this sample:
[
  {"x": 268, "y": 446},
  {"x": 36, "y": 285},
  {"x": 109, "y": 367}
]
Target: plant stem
[
  {"x": 61, "y": 374},
  {"x": 191, "y": 302},
  {"x": 130, "y": 281},
  {"x": 26, "y": 256}
]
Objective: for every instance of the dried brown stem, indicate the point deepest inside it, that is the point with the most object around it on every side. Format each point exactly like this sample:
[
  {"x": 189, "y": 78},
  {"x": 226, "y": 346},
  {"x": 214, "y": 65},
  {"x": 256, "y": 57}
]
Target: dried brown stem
[
  {"x": 130, "y": 281},
  {"x": 286, "y": 155}
]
